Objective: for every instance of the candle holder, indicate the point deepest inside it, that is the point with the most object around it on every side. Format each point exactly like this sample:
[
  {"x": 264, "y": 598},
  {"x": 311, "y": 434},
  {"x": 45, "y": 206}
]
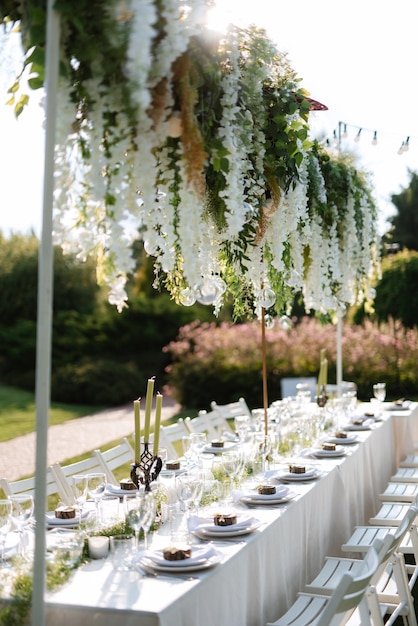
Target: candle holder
[{"x": 147, "y": 469}]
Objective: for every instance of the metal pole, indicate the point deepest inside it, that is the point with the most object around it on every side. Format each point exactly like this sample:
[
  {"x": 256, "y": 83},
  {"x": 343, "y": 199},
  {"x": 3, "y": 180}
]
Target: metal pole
[
  {"x": 339, "y": 314},
  {"x": 44, "y": 320}
]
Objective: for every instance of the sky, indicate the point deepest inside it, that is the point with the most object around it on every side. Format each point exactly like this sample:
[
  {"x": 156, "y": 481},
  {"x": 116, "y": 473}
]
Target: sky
[{"x": 357, "y": 58}]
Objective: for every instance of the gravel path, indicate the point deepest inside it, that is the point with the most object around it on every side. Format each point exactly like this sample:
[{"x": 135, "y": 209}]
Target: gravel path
[{"x": 77, "y": 436}]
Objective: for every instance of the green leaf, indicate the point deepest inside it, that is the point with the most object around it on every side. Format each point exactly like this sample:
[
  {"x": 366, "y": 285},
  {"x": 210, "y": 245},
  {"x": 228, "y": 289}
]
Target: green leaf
[
  {"x": 36, "y": 82},
  {"x": 14, "y": 88},
  {"x": 21, "y": 103}
]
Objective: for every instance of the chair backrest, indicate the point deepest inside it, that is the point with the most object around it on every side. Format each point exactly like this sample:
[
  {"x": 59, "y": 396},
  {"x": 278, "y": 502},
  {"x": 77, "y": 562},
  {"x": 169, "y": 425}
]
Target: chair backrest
[
  {"x": 27, "y": 485},
  {"x": 288, "y": 386},
  {"x": 170, "y": 438},
  {"x": 350, "y": 593},
  {"x": 212, "y": 423},
  {"x": 114, "y": 458},
  {"x": 231, "y": 410},
  {"x": 64, "y": 473}
]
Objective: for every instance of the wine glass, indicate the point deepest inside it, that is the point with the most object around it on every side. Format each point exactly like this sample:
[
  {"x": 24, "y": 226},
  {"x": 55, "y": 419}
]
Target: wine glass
[
  {"x": 96, "y": 486},
  {"x": 242, "y": 426},
  {"x": 5, "y": 526},
  {"x": 263, "y": 447},
  {"x": 79, "y": 491},
  {"x": 22, "y": 511},
  {"x": 198, "y": 443},
  {"x": 147, "y": 507},
  {"x": 379, "y": 391},
  {"x": 231, "y": 461},
  {"x": 186, "y": 442},
  {"x": 133, "y": 517}
]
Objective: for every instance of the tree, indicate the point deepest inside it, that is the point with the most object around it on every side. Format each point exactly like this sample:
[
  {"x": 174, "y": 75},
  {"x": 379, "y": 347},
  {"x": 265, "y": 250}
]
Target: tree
[{"x": 404, "y": 225}]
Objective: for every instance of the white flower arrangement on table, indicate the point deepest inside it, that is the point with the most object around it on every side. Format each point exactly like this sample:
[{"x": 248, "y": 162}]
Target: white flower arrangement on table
[{"x": 198, "y": 144}]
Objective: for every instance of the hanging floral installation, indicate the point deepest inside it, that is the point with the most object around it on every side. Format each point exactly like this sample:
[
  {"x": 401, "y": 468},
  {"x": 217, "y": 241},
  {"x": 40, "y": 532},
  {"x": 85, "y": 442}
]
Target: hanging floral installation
[{"x": 198, "y": 144}]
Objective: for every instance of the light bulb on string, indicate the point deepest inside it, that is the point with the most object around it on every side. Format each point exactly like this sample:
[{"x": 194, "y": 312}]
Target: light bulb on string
[
  {"x": 400, "y": 151},
  {"x": 357, "y": 137},
  {"x": 374, "y": 140},
  {"x": 345, "y": 134},
  {"x": 335, "y": 138},
  {"x": 406, "y": 145}
]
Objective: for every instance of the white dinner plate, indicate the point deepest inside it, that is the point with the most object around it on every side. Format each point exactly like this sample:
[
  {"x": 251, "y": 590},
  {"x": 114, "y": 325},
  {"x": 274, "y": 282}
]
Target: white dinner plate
[
  {"x": 257, "y": 499},
  {"x": 51, "y": 520},
  {"x": 170, "y": 472},
  {"x": 200, "y": 554},
  {"x": 350, "y": 427},
  {"x": 243, "y": 527},
  {"x": 345, "y": 441},
  {"x": 310, "y": 474},
  {"x": 324, "y": 454},
  {"x": 182, "y": 568},
  {"x": 228, "y": 445},
  {"x": 405, "y": 406},
  {"x": 112, "y": 490}
]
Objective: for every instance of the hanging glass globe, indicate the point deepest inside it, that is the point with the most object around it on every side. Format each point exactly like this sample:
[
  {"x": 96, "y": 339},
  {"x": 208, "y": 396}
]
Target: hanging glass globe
[
  {"x": 266, "y": 297},
  {"x": 207, "y": 291},
  {"x": 220, "y": 284},
  {"x": 285, "y": 322},
  {"x": 187, "y": 297},
  {"x": 150, "y": 247},
  {"x": 269, "y": 322}
]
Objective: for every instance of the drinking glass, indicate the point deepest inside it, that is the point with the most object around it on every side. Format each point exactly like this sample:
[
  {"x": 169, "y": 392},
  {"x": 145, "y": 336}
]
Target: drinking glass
[
  {"x": 186, "y": 442},
  {"x": 79, "y": 491},
  {"x": 96, "y": 486},
  {"x": 187, "y": 488},
  {"x": 379, "y": 391},
  {"x": 5, "y": 526},
  {"x": 147, "y": 510},
  {"x": 22, "y": 511},
  {"x": 198, "y": 443},
  {"x": 231, "y": 462},
  {"x": 242, "y": 426},
  {"x": 133, "y": 517},
  {"x": 263, "y": 446}
]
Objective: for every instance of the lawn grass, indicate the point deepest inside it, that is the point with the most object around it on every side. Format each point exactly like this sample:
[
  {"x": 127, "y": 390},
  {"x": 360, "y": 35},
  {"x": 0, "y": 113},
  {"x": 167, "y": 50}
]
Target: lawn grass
[{"x": 18, "y": 412}]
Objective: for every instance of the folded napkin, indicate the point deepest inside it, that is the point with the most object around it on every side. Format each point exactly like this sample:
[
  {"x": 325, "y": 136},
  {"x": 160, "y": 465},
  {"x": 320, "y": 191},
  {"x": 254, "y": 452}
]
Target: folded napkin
[
  {"x": 200, "y": 554},
  {"x": 230, "y": 437},
  {"x": 114, "y": 490},
  {"x": 201, "y": 523}
]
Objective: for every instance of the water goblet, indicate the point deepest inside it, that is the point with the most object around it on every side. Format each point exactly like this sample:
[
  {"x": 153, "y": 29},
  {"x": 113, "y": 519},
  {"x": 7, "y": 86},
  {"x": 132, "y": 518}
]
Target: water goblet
[
  {"x": 242, "y": 426},
  {"x": 22, "y": 511},
  {"x": 186, "y": 442},
  {"x": 379, "y": 391},
  {"x": 133, "y": 517},
  {"x": 198, "y": 443},
  {"x": 79, "y": 491},
  {"x": 231, "y": 462},
  {"x": 263, "y": 446},
  {"x": 147, "y": 509},
  {"x": 5, "y": 526},
  {"x": 96, "y": 486}
]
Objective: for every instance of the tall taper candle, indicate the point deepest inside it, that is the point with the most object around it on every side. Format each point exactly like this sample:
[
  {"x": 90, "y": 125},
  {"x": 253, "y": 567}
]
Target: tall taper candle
[
  {"x": 158, "y": 407},
  {"x": 148, "y": 407},
  {"x": 137, "y": 405}
]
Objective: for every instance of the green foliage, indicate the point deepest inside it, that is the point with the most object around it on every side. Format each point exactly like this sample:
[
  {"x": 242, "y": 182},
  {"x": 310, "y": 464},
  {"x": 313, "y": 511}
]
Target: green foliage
[
  {"x": 404, "y": 223},
  {"x": 396, "y": 293}
]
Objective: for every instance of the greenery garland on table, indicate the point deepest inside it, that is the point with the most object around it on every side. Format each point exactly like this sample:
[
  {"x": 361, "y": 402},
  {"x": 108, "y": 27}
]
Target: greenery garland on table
[{"x": 197, "y": 143}]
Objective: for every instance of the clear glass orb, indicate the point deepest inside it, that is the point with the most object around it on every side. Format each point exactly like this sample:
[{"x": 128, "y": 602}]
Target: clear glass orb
[
  {"x": 187, "y": 297},
  {"x": 269, "y": 321},
  {"x": 266, "y": 297},
  {"x": 285, "y": 322}
]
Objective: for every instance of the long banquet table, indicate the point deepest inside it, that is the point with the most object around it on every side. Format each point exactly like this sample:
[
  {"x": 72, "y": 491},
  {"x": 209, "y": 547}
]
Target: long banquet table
[{"x": 260, "y": 574}]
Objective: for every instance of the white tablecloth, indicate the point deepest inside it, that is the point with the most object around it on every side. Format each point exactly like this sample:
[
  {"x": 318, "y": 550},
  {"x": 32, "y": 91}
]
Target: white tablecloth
[{"x": 262, "y": 573}]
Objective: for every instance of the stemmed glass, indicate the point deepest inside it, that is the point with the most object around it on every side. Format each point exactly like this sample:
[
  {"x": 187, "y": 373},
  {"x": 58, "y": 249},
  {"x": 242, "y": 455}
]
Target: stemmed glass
[
  {"x": 96, "y": 485},
  {"x": 242, "y": 426},
  {"x": 263, "y": 446},
  {"x": 231, "y": 462},
  {"x": 189, "y": 488},
  {"x": 5, "y": 526},
  {"x": 133, "y": 516},
  {"x": 79, "y": 491},
  {"x": 22, "y": 511},
  {"x": 198, "y": 443},
  {"x": 186, "y": 441},
  {"x": 147, "y": 507},
  {"x": 379, "y": 391}
]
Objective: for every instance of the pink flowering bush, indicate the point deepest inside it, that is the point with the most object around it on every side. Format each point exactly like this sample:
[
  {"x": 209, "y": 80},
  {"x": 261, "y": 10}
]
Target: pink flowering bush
[{"x": 222, "y": 362}]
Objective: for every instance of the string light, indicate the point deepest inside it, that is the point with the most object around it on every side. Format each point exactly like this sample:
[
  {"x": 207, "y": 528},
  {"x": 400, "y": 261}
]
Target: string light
[{"x": 342, "y": 134}]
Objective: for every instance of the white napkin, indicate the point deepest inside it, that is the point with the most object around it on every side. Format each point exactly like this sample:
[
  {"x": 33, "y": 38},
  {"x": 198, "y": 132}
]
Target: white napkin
[
  {"x": 200, "y": 554},
  {"x": 230, "y": 437},
  {"x": 200, "y": 523},
  {"x": 118, "y": 491}
]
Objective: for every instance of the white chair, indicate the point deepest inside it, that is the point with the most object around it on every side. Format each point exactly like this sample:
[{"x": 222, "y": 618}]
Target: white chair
[
  {"x": 288, "y": 386},
  {"x": 114, "y": 458},
  {"x": 212, "y": 423},
  {"x": 27, "y": 485},
  {"x": 411, "y": 460},
  {"x": 390, "y": 514},
  {"x": 400, "y": 492},
  {"x": 231, "y": 410},
  {"x": 349, "y": 595},
  {"x": 171, "y": 436},
  {"x": 390, "y": 579},
  {"x": 405, "y": 475},
  {"x": 63, "y": 475}
]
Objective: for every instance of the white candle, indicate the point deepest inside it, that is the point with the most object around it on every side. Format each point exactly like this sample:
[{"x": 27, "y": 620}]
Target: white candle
[
  {"x": 137, "y": 430},
  {"x": 98, "y": 547}
]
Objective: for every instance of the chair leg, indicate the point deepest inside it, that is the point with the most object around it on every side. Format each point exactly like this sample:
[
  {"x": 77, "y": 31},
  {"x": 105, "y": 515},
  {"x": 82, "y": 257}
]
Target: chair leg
[{"x": 374, "y": 606}]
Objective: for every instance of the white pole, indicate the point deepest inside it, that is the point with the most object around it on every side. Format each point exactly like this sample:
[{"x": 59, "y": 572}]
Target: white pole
[
  {"x": 339, "y": 354},
  {"x": 44, "y": 320}
]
